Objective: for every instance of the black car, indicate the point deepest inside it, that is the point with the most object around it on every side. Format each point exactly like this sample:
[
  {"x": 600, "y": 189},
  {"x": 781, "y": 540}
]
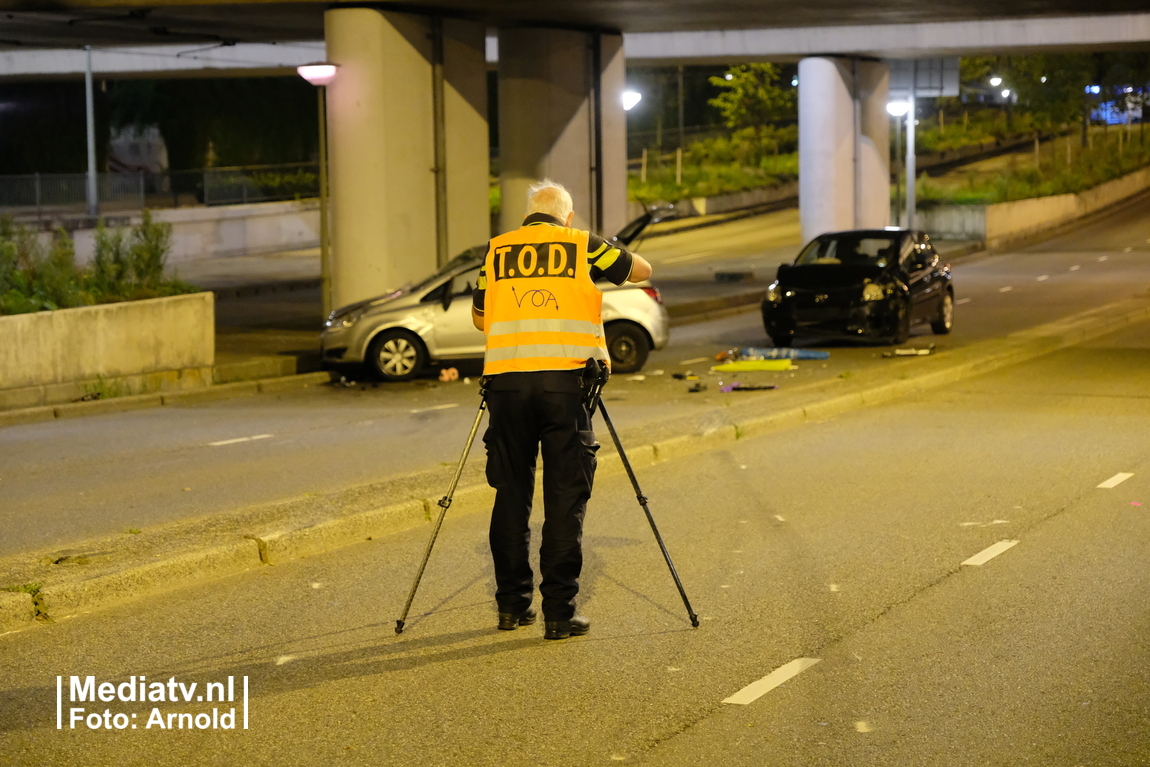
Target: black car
[{"x": 873, "y": 284}]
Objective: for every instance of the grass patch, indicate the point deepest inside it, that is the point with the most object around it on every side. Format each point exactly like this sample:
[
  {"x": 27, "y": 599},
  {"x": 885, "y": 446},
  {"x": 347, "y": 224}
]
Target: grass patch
[{"x": 26, "y": 588}]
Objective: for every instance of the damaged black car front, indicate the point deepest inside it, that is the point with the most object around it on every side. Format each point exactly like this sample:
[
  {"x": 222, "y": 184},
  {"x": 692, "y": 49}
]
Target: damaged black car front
[{"x": 868, "y": 284}]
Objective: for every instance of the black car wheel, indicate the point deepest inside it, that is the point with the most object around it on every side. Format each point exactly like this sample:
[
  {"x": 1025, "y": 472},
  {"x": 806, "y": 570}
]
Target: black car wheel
[
  {"x": 902, "y": 325},
  {"x": 942, "y": 324},
  {"x": 396, "y": 355},
  {"x": 628, "y": 346},
  {"x": 783, "y": 339}
]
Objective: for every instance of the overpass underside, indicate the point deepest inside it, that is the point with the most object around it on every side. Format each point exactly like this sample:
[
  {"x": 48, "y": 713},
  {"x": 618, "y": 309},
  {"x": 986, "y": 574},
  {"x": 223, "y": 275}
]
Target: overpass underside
[{"x": 408, "y": 124}]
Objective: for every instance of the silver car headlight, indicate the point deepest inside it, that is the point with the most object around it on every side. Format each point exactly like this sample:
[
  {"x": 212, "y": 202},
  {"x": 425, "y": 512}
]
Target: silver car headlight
[
  {"x": 774, "y": 292},
  {"x": 343, "y": 321},
  {"x": 873, "y": 292}
]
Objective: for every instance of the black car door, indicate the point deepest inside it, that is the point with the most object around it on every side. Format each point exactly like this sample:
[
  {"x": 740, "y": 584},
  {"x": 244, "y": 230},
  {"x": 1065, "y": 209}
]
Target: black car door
[{"x": 917, "y": 276}]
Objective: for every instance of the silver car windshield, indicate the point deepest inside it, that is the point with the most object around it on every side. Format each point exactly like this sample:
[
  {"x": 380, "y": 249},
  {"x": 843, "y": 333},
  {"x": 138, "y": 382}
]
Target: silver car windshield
[{"x": 464, "y": 258}]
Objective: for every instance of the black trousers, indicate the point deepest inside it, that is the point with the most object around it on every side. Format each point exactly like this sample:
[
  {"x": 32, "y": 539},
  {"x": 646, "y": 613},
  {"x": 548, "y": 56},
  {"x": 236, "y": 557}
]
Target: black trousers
[{"x": 529, "y": 410}]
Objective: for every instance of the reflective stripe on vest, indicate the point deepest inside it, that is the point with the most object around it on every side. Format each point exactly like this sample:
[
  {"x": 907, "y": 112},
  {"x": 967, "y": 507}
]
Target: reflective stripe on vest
[{"x": 541, "y": 309}]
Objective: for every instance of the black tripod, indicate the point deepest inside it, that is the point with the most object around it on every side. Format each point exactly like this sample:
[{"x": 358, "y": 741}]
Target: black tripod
[{"x": 595, "y": 400}]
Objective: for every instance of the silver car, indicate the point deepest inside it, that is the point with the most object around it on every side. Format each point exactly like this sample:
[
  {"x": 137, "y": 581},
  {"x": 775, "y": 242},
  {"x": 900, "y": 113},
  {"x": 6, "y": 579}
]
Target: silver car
[{"x": 399, "y": 334}]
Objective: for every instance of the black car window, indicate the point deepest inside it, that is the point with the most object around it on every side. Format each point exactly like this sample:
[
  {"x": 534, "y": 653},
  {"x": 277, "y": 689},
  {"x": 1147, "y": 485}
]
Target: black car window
[
  {"x": 464, "y": 284},
  {"x": 868, "y": 248},
  {"x": 435, "y": 294}
]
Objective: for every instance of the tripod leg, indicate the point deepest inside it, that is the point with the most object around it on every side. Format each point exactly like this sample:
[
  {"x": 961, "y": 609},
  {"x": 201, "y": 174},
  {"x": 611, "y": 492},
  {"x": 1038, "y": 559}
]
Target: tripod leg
[
  {"x": 643, "y": 502},
  {"x": 444, "y": 504}
]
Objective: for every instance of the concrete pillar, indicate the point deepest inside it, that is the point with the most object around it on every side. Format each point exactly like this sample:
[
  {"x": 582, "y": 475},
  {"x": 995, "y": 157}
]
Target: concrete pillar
[
  {"x": 561, "y": 117},
  {"x": 382, "y": 147},
  {"x": 844, "y": 145}
]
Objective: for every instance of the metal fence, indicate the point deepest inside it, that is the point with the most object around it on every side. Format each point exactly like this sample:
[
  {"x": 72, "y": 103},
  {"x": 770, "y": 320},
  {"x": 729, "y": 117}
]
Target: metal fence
[{"x": 53, "y": 194}]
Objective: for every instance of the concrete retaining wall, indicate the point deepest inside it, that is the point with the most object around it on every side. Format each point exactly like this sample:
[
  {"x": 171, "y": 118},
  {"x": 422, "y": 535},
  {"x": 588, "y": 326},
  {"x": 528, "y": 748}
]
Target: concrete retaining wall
[
  {"x": 226, "y": 230},
  {"x": 1004, "y": 221},
  {"x": 51, "y": 357},
  {"x": 724, "y": 203}
]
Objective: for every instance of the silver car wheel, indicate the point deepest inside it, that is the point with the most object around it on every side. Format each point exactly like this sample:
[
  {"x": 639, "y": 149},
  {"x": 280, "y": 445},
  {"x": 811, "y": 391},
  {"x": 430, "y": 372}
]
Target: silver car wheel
[{"x": 397, "y": 357}]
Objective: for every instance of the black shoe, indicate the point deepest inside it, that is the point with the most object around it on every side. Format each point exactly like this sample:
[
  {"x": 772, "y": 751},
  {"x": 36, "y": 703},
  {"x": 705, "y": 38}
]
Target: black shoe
[
  {"x": 577, "y": 626},
  {"x": 512, "y": 621}
]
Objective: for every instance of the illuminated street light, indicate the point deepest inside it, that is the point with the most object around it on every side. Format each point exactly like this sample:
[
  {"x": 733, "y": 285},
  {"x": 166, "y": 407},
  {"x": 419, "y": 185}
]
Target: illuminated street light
[
  {"x": 630, "y": 99},
  {"x": 317, "y": 74},
  {"x": 1006, "y": 93},
  {"x": 1043, "y": 78},
  {"x": 995, "y": 81},
  {"x": 320, "y": 74},
  {"x": 897, "y": 108},
  {"x": 728, "y": 76}
]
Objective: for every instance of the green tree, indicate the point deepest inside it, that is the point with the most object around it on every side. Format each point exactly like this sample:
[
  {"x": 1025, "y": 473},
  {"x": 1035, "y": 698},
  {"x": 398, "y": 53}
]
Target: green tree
[{"x": 750, "y": 97}]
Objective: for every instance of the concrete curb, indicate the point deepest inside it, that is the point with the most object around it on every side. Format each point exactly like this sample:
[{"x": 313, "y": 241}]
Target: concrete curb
[
  {"x": 162, "y": 399},
  {"x": 17, "y": 611},
  {"x": 70, "y": 596}
]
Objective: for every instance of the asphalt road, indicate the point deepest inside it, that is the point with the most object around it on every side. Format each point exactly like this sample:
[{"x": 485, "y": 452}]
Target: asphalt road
[
  {"x": 69, "y": 480},
  {"x": 840, "y": 542}
]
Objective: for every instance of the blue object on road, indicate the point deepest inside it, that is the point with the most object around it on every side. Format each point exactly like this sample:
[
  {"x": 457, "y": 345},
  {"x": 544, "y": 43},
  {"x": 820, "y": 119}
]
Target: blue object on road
[{"x": 771, "y": 353}]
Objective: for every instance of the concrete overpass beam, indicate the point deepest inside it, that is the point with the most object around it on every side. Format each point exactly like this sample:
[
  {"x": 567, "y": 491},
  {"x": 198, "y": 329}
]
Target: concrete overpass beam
[
  {"x": 844, "y": 145},
  {"x": 561, "y": 117},
  {"x": 387, "y": 209}
]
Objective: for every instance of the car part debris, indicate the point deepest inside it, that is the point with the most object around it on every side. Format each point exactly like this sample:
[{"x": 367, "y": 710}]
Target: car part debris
[
  {"x": 770, "y": 353},
  {"x": 910, "y": 352},
  {"x": 746, "y": 365},
  {"x": 697, "y": 387},
  {"x": 736, "y": 386},
  {"x": 449, "y": 374}
]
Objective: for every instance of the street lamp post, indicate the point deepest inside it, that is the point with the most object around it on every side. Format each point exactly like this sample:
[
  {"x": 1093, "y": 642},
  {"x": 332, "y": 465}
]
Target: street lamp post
[
  {"x": 320, "y": 75},
  {"x": 897, "y": 109}
]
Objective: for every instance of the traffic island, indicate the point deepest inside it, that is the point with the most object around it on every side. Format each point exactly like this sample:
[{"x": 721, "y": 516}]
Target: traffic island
[{"x": 116, "y": 569}]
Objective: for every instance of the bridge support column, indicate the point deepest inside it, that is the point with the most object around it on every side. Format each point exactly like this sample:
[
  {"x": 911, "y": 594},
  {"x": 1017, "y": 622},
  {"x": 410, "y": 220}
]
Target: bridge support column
[
  {"x": 408, "y": 155},
  {"x": 844, "y": 145},
  {"x": 561, "y": 117}
]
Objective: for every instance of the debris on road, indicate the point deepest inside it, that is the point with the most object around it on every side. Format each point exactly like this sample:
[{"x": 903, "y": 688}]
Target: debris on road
[
  {"x": 697, "y": 387},
  {"x": 770, "y": 353},
  {"x": 449, "y": 374},
  {"x": 911, "y": 352},
  {"x": 746, "y": 365},
  {"x": 636, "y": 378},
  {"x": 694, "y": 361},
  {"x": 736, "y": 386},
  {"x": 688, "y": 376}
]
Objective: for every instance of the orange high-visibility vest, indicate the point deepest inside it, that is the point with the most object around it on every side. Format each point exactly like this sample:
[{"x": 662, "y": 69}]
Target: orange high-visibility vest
[{"x": 541, "y": 309}]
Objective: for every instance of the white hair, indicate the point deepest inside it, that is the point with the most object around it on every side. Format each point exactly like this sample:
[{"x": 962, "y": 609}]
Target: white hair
[{"x": 549, "y": 197}]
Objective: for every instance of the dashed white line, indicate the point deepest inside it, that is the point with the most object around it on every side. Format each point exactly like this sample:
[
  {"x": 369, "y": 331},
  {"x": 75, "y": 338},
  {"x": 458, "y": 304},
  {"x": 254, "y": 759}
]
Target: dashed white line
[
  {"x": 240, "y": 439},
  {"x": 756, "y": 690},
  {"x": 1075, "y": 268},
  {"x": 1042, "y": 278},
  {"x": 1007, "y": 289},
  {"x": 436, "y": 407},
  {"x": 962, "y": 301},
  {"x": 989, "y": 553},
  {"x": 1126, "y": 250},
  {"x": 1116, "y": 480},
  {"x": 1105, "y": 258}
]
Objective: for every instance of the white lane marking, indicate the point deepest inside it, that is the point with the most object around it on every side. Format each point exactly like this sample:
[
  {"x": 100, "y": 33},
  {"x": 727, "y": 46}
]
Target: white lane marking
[
  {"x": 436, "y": 407},
  {"x": 1007, "y": 289},
  {"x": 962, "y": 301},
  {"x": 1042, "y": 278},
  {"x": 1105, "y": 258},
  {"x": 694, "y": 361},
  {"x": 862, "y": 727},
  {"x": 989, "y": 553},
  {"x": 1124, "y": 250},
  {"x": 1116, "y": 480},
  {"x": 756, "y": 690},
  {"x": 1075, "y": 268},
  {"x": 240, "y": 439}
]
